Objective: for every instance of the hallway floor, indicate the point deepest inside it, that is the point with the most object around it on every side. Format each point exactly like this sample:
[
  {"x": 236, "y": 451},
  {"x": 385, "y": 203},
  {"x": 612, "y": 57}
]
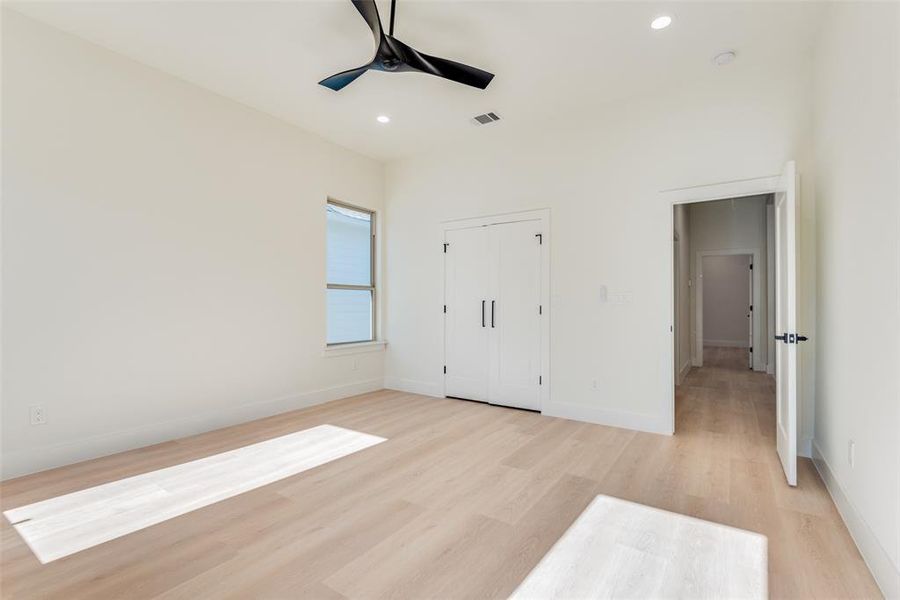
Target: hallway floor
[{"x": 730, "y": 410}]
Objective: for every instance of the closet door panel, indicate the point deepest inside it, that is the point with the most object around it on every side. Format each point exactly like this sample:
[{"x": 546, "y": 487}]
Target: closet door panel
[
  {"x": 516, "y": 333},
  {"x": 466, "y": 320}
]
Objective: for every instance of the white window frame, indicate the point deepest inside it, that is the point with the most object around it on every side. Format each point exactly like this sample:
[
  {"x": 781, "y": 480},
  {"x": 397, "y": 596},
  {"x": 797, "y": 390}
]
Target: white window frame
[{"x": 342, "y": 286}]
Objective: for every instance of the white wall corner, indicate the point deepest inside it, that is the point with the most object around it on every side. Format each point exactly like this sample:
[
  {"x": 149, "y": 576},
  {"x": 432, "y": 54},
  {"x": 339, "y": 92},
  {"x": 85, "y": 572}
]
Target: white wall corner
[
  {"x": 24, "y": 462},
  {"x": 683, "y": 371},
  {"x": 884, "y": 570},
  {"x": 612, "y": 418},
  {"x": 424, "y": 388}
]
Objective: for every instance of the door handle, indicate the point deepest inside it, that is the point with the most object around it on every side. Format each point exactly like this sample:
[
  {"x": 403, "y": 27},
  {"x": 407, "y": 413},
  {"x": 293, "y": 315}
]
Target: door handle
[
  {"x": 791, "y": 338},
  {"x": 482, "y": 313},
  {"x": 492, "y": 313}
]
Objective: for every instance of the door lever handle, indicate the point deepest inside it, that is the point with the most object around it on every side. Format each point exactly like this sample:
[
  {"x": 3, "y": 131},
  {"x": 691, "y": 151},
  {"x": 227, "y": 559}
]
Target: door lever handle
[{"x": 791, "y": 338}]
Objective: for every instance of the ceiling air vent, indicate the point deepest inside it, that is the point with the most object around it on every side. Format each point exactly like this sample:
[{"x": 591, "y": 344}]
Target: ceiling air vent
[{"x": 485, "y": 119}]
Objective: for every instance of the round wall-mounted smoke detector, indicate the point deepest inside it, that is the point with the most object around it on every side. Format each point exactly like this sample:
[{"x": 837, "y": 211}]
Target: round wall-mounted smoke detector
[{"x": 725, "y": 58}]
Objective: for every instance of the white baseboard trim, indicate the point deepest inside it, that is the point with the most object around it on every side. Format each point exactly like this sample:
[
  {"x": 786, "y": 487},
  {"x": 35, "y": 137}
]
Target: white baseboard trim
[
  {"x": 575, "y": 412},
  {"x": 885, "y": 572},
  {"x": 612, "y": 418},
  {"x": 727, "y": 343},
  {"x": 424, "y": 388},
  {"x": 23, "y": 462}
]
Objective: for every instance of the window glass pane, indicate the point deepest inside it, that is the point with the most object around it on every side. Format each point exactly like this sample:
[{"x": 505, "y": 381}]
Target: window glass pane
[
  {"x": 349, "y": 316},
  {"x": 349, "y": 246}
]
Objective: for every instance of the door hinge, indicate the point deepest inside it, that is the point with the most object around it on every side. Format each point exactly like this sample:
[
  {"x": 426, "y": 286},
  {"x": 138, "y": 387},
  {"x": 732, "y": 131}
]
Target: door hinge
[
  {"x": 751, "y": 349},
  {"x": 445, "y": 369},
  {"x": 751, "y": 266},
  {"x": 540, "y": 380},
  {"x": 445, "y": 309},
  {"x": 540, "y": 237},
  {"x": 751, "y": 307},
  {"x": 540, "y": 309},
  {"x": 445, "y": 247}
]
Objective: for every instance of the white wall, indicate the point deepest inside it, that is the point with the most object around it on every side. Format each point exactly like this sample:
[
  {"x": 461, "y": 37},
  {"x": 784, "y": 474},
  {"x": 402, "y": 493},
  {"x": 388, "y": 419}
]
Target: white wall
[
  {"x": 729, "y": 225},
  {"x": 726, "y": 300},
  {"x": 682, "y": 292},
  {"x": 601, "y": 175},
  {"x": 857, "y": 150},
  {"x": 163, "y": 255}
]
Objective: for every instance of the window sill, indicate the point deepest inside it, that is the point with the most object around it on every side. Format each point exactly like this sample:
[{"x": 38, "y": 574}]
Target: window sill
[{"x": 355, "y": 348}]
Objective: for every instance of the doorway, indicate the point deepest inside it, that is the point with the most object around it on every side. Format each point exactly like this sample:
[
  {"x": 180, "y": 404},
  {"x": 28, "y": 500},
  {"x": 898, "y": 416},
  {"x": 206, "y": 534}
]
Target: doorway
[
  {"x": 719, "y": 385},
  {"x": 725, "y": 305}
]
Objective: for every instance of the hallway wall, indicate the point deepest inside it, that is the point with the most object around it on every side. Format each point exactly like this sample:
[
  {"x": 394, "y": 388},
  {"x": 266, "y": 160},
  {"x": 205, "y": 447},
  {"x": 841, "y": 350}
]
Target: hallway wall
[
  {"x": 738, "y": 224},
  {"x": 726, "y": 300}
]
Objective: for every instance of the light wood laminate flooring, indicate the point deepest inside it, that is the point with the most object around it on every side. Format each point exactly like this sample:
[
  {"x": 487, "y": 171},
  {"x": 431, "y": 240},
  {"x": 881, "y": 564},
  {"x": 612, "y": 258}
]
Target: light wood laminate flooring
[{"x": 461, "y": 501}]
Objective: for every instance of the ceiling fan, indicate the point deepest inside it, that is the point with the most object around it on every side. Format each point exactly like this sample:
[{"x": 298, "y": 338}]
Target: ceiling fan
[{"x": 392, "y": 55}]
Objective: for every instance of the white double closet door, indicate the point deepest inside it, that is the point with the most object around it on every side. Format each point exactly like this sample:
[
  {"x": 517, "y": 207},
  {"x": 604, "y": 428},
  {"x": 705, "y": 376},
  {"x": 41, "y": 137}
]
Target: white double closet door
[{"x": 493, "y": 313}]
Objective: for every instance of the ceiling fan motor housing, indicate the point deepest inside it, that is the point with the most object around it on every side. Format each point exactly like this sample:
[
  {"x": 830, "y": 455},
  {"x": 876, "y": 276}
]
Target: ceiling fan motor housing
[
  {"x": 390, "y": 64},
  {"x": 393, "y": 55}
]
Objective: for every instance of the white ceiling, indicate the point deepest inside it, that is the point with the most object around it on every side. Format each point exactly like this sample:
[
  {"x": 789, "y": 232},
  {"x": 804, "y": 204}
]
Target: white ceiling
[{"x": 548, "y": 57}]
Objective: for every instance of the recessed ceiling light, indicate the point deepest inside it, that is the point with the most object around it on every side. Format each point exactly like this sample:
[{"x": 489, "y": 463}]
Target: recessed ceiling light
[
  {"x": 661, "y": 22},
  {"x": 383, "y": 119},
  {"x": 725, "y": 58}
]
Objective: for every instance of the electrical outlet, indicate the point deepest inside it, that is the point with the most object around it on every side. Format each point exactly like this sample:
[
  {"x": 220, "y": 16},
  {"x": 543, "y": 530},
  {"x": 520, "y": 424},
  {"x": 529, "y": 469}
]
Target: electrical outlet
[
  {"x": 851, "y": 453},
  {"x": 36, "y": 415}
]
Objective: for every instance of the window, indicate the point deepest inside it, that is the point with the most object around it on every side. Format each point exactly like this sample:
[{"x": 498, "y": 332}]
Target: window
[{"x": 350, "y": 297}]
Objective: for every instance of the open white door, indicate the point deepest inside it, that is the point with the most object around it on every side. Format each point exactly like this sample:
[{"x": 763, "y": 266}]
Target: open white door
[{"x": 786, "y": 322}]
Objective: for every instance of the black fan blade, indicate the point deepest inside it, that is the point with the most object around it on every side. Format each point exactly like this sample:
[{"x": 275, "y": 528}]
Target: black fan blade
[
  {"x": 441, "y": 67},
  {"x": 457, "y": 72},
  {"x": 369, "y": 12},
  {"x": 344, "y": 78}
]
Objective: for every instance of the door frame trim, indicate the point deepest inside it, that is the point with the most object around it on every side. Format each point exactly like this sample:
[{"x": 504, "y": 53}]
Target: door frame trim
[
  {"x": 542, "y": 215},
  {"x": 769, "y": 184}
]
